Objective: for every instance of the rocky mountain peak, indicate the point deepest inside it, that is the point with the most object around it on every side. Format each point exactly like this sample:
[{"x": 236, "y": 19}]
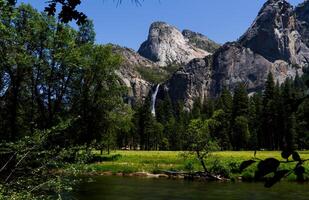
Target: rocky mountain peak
[
  {"x": 200, "y": 41},
  {"x": 268, "y": 33},
  {"x": 274, "y": 34},
  {"x": 167, "y": 46}
]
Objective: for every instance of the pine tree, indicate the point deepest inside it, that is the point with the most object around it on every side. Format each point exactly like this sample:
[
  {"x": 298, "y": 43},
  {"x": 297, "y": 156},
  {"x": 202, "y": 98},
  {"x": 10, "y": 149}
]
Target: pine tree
[
  {"x": 240, "y": 101},
  {"x": 269, "y": 91},
  {"x": 255, "y": 111},
  {"x": 302, "y": 119},
  {"x": 269, "y": 109},
  {"x": 225, "y": 101},
  {"x": 240, "y": 108},
  {"x": 241, "y": 133},
  {"x": 291, "y": 139}
]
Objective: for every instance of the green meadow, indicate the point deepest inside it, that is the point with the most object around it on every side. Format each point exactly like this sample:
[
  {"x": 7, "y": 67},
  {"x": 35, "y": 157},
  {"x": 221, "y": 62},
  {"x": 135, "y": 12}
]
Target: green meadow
[{"x": 226, "y": 162}]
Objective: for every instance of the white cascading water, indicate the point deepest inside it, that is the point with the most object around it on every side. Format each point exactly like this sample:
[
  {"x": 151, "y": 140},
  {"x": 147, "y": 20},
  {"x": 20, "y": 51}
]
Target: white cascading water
[{"x": 153, "y": 100}]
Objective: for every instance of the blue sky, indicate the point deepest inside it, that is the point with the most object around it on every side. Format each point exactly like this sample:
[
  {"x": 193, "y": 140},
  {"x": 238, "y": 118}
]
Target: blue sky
[{"x": 128, "y": 24}]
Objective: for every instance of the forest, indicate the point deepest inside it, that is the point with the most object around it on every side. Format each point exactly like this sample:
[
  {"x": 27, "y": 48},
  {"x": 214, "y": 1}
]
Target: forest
[
  {"x": 60, "y": 99},
  {"x": 274, "y": 119}
]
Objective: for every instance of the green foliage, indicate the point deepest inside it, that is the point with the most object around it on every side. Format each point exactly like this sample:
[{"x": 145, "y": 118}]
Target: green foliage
[
  {"x": 59, "y": 96},
  {"x": 274, "y": 167},
  {"x": 241, "y": 132},
  {"x": 151, "y": 75},
  {"x": 240, "y": 101},
  {"x": 157, "y": 75}
]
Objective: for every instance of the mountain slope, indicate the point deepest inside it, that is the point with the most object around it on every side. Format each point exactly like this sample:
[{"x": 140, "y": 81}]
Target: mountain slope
[
  {"x": 275, "y": 42},
  {"x": 200, "y": 41}
]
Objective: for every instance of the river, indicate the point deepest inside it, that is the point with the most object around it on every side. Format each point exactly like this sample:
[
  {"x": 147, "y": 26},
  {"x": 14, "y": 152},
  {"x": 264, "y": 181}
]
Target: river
[{"x": 128, "y": 188}]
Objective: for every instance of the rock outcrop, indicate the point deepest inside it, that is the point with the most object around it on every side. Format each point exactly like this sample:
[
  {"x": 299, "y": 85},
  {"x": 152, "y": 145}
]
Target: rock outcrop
[
  {"x": 200, "y": 41},
  {"x": 138, "y": 87},
  {"x": 302, "y": 15},
  {"x": 230, "y": 65},
  {"x": 276, "y": 42},
  {"x": 166, "y": 45},
  {"x": 274, "y": 34},
  {"x": 190, "y": 82},
  {"x": 234, "y": 63}
]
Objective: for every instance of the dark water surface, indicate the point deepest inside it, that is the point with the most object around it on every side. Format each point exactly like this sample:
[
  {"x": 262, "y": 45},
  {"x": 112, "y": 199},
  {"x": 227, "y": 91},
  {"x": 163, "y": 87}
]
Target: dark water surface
[{"x": 128, "y": 188}]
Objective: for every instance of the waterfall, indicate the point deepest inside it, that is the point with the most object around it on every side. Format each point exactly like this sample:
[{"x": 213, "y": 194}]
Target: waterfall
[{"x": 153, "y": 100}]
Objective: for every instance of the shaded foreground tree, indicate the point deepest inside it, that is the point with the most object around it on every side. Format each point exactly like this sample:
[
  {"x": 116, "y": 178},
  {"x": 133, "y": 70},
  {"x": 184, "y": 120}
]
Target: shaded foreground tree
[
  {"x": 69, "y": 10},
  {"x": 201, "y": 144},
  {"x": 272, "y": 170},
  {"x": 59, "y": 98}
]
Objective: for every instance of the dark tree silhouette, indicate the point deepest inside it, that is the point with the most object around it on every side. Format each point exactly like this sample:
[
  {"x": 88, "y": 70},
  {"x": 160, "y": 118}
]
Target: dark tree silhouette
[{"x": 69, "y": 10}]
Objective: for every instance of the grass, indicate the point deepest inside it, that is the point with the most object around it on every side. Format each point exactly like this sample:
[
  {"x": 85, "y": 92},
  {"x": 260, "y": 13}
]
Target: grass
[{"x": 226, "y": 162}]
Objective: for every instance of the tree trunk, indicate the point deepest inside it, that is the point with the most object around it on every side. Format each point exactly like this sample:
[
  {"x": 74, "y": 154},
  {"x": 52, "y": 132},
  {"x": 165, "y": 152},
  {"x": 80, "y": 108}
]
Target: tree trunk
[{"x": 202, "y": 161}]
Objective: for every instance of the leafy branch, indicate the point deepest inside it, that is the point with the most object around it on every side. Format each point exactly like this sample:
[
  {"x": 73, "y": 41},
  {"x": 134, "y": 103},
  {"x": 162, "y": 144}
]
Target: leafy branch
[{"x": 272, "y": 165}]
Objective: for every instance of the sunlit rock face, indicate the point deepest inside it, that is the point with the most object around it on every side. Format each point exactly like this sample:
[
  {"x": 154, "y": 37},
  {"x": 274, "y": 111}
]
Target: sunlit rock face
[
  {"x": 230, "y": 65},
  {"x": 200, "y": 41},
  {"x": 166, "y": 45},
  {"x": 277, "y": 42},
  {"x": 234, "y": 63},
  {"x": 138, "y": 88},
  {"x": 275, "y": 34}
]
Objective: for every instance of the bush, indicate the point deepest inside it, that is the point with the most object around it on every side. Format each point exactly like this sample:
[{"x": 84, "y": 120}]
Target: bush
[
  {"x": 219, "y": 168},
  {"x": 189, "y": 165}
]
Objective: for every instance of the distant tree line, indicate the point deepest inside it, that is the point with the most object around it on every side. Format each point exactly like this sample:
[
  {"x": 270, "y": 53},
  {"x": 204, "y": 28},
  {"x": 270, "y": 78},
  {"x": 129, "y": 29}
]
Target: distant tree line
[{"x": 277, "y": 118}]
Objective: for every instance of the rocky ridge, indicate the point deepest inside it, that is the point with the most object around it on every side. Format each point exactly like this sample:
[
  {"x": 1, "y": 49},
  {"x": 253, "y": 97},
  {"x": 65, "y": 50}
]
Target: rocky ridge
[
  {"x": 166, "y": 45},
  {"x": 200, "y": 41},
  {"x": 277, "y": 42}
]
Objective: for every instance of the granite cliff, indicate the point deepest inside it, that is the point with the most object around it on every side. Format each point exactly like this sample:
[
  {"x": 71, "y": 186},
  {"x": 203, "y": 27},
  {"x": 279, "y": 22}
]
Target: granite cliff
[{"x": 277, "y": 42}]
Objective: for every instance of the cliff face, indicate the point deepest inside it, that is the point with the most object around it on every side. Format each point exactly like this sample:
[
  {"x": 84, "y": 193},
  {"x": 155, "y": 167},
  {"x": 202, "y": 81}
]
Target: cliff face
[
  {"x": 190, "y": 82},
  {"x": 167, "y": 46},
  {"x": 277, "y": 42},
  {"x": 234, "y": 63},
  {"x": 275, "y": 34},
  {"x": 165, "y": 50},
  {"x": 138, "y": 87},
  {"x": 302, "y": 15}
]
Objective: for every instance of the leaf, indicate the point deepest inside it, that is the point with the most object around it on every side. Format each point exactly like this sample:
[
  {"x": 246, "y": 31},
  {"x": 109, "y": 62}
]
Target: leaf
[
  {"x": 299, "y": 172},
  {"x": 286, "y": 154},
  {"x": 276, "y": 178},
  {"x": 296, "y": 156},
  {"x": 266, "y": 166},
  {"x": 246, "y": 164}
]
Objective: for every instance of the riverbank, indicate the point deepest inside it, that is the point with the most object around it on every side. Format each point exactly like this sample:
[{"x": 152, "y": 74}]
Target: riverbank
[{"x": 158, "y": 164}]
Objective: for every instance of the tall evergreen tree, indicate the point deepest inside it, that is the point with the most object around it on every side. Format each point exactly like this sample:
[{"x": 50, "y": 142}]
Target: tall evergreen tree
[
  {"x": 240, "y": 101},
  {"x": 240, "y": 109},
  {"x": 269, "y": 109},
  {"x": 255, "y": 124},
  {"x": 241, "y": 133}
]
